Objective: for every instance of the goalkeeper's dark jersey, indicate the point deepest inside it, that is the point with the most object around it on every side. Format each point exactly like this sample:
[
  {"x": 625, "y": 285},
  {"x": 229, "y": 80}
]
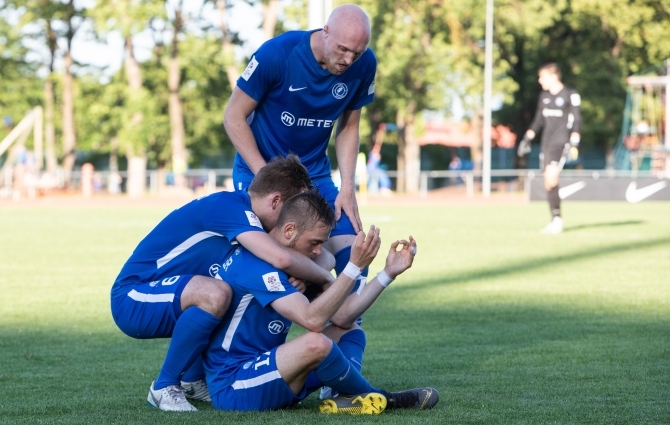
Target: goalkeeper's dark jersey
[{"x": 557, "y": 116}]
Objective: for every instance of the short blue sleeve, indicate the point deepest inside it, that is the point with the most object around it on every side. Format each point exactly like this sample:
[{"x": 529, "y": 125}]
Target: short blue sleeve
[
  {"x": 264, "y": 70},
  {"x": 366, "y": 92},
  {"x": 230, "y": 216},
  {"x": 262, "y": 280}
]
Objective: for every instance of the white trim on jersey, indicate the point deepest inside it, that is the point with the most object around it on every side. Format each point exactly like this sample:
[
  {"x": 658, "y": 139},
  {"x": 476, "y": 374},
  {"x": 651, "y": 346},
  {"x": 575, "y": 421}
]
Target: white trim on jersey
[
  {"x": 198, "y": 237},
  {"x": 235, "y": 321},
  {"x": 151, "y": 298},
  {"x": 259, "y": 380}
]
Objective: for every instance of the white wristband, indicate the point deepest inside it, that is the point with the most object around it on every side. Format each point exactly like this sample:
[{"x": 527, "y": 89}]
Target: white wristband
[
  {"x": 352, "y": 271},
  {"x": 384, "y": 279}
]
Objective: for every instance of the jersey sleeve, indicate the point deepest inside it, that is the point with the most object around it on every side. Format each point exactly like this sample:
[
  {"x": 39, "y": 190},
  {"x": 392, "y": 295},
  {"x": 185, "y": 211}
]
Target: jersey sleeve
[
  {"x": 538, "y": 120},
  {"x": 263, "y": 71},
  {"x": 574, "y": 109},
  {"x": 366, "y": 92},
  {"x": 265, "y": 282},
  {"x": 231, "y": 216}
]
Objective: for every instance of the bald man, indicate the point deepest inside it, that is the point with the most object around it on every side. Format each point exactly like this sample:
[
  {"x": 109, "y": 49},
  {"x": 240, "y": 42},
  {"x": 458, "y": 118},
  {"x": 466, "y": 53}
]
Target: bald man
[{"x": 297, "y": 87}]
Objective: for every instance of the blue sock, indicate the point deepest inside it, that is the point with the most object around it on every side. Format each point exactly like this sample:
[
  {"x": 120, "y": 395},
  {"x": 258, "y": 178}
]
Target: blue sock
[
  {"x": 352, "y": 345},
  {"x": 338, "y": 373},
  {"x": 196, "y": 372},
  {"x": 189, "y": 338},
  {"x": 341, "y": 259}
]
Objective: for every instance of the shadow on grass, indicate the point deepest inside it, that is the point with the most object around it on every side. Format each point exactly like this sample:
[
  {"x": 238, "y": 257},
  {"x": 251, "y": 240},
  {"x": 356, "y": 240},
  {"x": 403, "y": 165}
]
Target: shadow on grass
[
  {"x": 535, "y": 263},
  {"x": 609, "y": 224}
]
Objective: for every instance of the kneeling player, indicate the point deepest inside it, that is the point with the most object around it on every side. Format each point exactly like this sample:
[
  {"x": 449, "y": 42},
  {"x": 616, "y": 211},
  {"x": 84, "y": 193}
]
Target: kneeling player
[
  {"x": 170, "y": 286},
  {"x": 249, "y": 364}
]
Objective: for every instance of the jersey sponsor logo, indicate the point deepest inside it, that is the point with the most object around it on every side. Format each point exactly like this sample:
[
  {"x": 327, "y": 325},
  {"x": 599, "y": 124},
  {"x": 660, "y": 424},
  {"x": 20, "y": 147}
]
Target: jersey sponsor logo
[
  {"x": 552, "y": 112},
  {"x": 313, "y": 122},
  {"x": 340, "y": 91},
  {"x": 290, "y": 88},
  {"x": 635, "y": 195},
  {"x": 214, "y": 269},
  {"x": 276, "y": 327},
  {"x": 371, "y": 89},
  {"x": 575, "y": 99},
  {"x": 249, "y": 70},
  {"x": 287, "y": 119},
  {"x": 227, "y": 264},
  {"x": 272, "y": 282},
  {"x": 253, "y": 219},
  {"x": 559, "y": 101}
]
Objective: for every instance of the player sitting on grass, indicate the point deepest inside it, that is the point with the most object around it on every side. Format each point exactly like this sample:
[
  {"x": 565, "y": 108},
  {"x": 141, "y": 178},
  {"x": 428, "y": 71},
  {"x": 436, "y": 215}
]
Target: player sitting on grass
[
  {"x": 249, "y": 364},
  {"x": 170, "y": 286}
]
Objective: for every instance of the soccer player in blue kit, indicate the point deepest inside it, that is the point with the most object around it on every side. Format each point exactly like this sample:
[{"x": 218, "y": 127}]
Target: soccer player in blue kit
[
  {"x": 171, "y": 284},
  {"x": 249, "y": 364},
  {"x": 295, "y": 90}
]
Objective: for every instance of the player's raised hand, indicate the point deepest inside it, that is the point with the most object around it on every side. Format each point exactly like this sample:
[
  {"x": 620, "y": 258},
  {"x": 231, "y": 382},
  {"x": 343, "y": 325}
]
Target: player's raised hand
[
  {"x": 365, "y": 247},
  {"x": 346, "y": 201},
  {"x": 399, "y": 260}
]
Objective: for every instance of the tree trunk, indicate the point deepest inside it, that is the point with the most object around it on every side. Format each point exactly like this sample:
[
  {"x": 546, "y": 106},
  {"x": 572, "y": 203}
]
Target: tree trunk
[
  {"x": 137, "y": 160},
  {"x": 270, "y": 18},
  {"x": 176, "y": 124},
  {"x": 177, "y": 132},
  {"x": 69, "y": 141},
  {"x": 49, "y": 128},
  {"x": 409, "y": 161},
  {"x": 227, "y": 46}
]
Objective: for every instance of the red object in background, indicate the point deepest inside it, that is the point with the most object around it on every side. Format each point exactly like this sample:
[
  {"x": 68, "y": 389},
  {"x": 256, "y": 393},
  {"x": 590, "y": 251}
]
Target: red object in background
[{"x": 461, "y": 134}]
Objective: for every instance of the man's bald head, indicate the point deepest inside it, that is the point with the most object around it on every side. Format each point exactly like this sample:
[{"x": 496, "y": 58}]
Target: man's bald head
[
  {"x": 345, "y": 38},
  {"x": 350, "y": 19}
]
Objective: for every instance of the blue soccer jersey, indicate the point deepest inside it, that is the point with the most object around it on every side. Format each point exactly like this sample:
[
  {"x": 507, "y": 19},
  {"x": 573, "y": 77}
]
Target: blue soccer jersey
[
  {"x": 299, "y": 102},
  {"x": 193, "y": 239},
  {"x": 251, "y": 326}
]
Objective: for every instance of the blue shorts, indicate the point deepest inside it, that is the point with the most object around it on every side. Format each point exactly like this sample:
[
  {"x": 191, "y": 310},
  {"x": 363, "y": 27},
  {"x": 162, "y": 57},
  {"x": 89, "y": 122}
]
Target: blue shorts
[
  {"x": 150, "y": 309},
  {"x": 326, "y": 188},
  {"x": 259, "y": 386}
]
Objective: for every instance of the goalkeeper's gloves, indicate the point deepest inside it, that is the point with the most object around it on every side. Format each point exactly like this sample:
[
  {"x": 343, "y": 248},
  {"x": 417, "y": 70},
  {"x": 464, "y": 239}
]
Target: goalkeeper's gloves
[
  {"x": 524, "y": 147},
  {"x": 570, "y": 152}
]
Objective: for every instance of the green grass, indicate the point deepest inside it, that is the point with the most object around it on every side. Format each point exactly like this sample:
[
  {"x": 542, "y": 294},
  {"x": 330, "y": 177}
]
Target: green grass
[{"x": 510, "y": 325}]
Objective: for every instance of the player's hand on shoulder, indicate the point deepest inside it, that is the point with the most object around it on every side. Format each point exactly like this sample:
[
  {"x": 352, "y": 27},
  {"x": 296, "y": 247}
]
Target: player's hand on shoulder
[
  {"x": 365, "y": 247},
  {"x": 399, "y": 260},
  {"x": 298, "y": 284}
]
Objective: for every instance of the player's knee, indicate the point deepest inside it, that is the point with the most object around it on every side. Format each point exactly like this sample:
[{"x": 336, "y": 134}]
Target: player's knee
[
  {"x": 219, "y": 298},
  {"x": 316, "y": 345}
]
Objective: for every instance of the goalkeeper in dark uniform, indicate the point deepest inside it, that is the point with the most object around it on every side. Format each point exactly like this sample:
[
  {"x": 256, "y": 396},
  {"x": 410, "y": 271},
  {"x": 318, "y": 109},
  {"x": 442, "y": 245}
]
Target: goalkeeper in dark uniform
[{"x": 559, "y": 119}]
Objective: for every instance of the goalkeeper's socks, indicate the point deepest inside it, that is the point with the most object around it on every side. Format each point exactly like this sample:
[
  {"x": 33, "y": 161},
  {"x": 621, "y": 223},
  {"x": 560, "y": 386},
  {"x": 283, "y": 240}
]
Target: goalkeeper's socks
[{"x": 554, "y": 201}]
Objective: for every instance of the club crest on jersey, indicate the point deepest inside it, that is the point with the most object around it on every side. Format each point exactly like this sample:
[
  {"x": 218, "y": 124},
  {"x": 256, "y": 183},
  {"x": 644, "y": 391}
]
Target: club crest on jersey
[
  {"x": 214, "y": 270},
  {"x": 276, "y": 327},
  {"x": 287, "y": 118},
  {"x": 253, "y": 64},
  {"x": 340, "y": 91},
  {"x": 253, "y": 219},
  {"x": 560, "y": 101},
  {"x": 272, "y": 282}
]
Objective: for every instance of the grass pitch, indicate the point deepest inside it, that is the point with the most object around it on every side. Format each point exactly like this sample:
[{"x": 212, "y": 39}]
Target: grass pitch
[{"x": 511, "y": 326}]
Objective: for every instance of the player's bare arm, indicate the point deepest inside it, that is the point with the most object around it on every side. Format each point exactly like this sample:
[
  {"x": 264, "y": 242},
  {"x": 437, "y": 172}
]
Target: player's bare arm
[
  {"x": 397, "y": 262},
  {"x": 315, "y": 315},
  {"x": 292, "y": 262},
  {"x": 240, "y": 106},
  {"x": 346, "y": 149}
]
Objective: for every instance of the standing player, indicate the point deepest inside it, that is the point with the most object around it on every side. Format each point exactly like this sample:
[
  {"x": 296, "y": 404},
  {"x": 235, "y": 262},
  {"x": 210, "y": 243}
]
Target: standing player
[
  {"x": 171, "y": 287},
  {"x": 296, "y": 88},
  {"x": 249, "y": 364},
  {"x": 560, "y": 120}
]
